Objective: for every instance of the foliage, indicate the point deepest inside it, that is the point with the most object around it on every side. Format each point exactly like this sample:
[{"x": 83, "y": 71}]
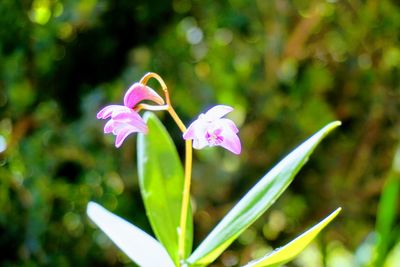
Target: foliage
[
  {"x": 163, "y": 185},
  {"x": 288, "y": 66}
]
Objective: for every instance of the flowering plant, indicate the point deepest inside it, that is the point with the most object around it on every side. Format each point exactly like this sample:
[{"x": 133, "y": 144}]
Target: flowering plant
[{"x": 165, "y": 184}]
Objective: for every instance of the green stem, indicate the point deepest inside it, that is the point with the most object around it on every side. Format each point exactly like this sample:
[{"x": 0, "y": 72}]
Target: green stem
[
  {"x": 185, "y": 198},
  {"x": 188, "y": 161},
  {"x": 186, "y": 185}
]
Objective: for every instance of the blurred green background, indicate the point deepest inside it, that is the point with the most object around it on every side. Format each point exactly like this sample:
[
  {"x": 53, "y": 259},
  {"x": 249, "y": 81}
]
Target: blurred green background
[{"x": 288, "y": 68}]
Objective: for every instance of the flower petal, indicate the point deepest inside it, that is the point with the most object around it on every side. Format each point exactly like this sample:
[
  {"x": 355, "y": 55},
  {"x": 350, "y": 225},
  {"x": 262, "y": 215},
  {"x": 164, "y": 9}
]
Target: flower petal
[
  {"x": 131, "y": 118},
  {"x": 191, "y": 130},
  {"x": 120, "y": 109},
  {"x": 123, "y": 134},
  {"x": 200, "y": 143},
  {"x": 227, "y": 123},
  {"x": 231, "y": 142},
  {"x": 109, "y": 127},
  {"x": 217, "y": 112},
  {"x": 123, "y": 124},
  {"x": 197, "y": 131},
  {"x": 139, "y": 92},
  {"x": 107, "y": 111},
  {"x": 211, "y": 129},
  {"x": 127, "y": 116}
]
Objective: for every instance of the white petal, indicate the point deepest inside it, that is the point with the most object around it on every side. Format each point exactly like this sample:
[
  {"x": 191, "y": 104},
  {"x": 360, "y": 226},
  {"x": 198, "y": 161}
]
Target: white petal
[
  {"x": 137, "y": 245},
  {"x": 197, "y": 132},
  {"x": 200, "y": 143},
  {"x": 217, "y": 112},
  {"x": 227, "y": 123}
]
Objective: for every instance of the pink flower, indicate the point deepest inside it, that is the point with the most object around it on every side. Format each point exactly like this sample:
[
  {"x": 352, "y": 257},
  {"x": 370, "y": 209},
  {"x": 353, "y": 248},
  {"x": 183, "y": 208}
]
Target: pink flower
[
  {"x": 123, "y": 119},
  {"x": 210, "y": 129}
]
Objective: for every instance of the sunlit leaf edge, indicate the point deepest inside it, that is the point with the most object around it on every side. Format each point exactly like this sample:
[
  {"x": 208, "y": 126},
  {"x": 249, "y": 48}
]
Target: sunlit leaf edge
[{"x": 291, "y": 250}]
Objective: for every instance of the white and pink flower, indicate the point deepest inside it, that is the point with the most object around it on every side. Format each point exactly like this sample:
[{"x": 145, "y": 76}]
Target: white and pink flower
[{"x": 211, "y": 129}]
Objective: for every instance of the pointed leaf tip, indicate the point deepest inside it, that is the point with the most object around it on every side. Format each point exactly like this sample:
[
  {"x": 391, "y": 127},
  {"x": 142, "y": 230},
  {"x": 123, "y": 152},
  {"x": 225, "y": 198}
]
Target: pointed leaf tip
[
  {"x": 336, "y": 123},
  {"x": 286, "y": 253},
  {"x": 332, "y": 125}
]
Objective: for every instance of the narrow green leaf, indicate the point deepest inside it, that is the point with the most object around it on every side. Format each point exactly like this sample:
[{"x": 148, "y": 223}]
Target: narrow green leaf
[
  {"x": 387, "y": 212},
  {"x": 256, "y": 201},
  {"x": 161, "y": 184},
  {"x": 386, "y": 217},
  {"x": 130, "y": 239},
  {"x": 393, "y": 257},
  {"x": 284, "y": 254}
]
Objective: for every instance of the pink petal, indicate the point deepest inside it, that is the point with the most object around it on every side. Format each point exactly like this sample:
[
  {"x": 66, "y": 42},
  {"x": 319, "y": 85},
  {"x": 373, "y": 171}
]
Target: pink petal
[
  {"x": 106, "y": 112},
  {"x": 138, "y": 127},
  {"x": 133, "y": 119},
  {"x": 120, "y": 109},
  {"x": 231, "y": 142},
  {"x": 139, "y": 92},
  {"x": 217, "y": 112},
  {"x": 109, "y": 127},
  {"x": 129, "y": 114},
  {"x": 122, "y": 135}
]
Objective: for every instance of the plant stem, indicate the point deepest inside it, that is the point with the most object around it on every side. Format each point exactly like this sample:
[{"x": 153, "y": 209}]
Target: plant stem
[
  {"x": 169, "y": 108},
  {"x": 185, "y": 198},
  {"x": 141, "y": 106},
  {"x": 188, "y": 162}
]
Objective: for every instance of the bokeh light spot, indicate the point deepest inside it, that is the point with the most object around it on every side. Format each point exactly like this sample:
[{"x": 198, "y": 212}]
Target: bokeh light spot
[
  {"x": 229, "y": 258},
  {"x": 364, "y": 61},
  {"x": 58, "y": 9},
  {"x": 71, "y": 221},
  {"x": 40, "y": 12},
  {"x": 288, "y": 70},
  {"x": 3, "y": 144},
  {"x": 391, "y": 57},
  {"x": 247, "y": 237},
  {"x": 65, "y": 31},
  {"x": 194, "y": 35},
  {"x": 223, "y": 36},
  {"x": 202, "y": 69},
  {"x": 115, "y": 183}
]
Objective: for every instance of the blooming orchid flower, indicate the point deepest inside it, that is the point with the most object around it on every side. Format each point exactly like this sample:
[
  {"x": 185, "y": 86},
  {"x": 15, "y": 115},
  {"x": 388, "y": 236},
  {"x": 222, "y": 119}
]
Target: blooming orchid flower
[
  {"x": 210, "y": 129},
  {"x": 124, "y": 120}
]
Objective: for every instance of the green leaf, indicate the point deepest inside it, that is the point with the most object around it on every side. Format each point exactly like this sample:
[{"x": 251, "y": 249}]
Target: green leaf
[
  {"x": 387, "y": 212},
  {"x": 256, "y": 201},
  {"x": 284, "y": 254},
  {"x": 161, "y": 184},
  {"x": 386, "y": 217},
  {"x": 393, "y": 258},
  {"x": 130, "y": 239}
]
